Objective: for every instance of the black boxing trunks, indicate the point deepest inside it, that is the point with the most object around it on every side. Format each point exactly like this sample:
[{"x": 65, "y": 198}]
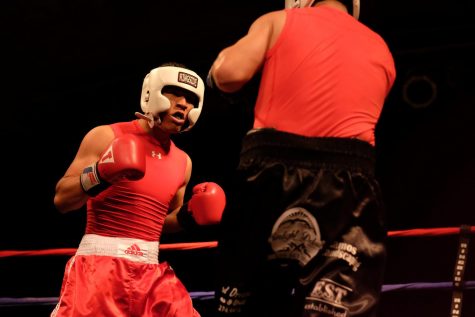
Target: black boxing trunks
[{"x": 303, "y": 233}]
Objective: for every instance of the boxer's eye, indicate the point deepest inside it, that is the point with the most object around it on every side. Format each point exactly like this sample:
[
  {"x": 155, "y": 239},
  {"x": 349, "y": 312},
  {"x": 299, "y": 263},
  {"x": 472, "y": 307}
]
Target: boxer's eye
[{"x": 180, "y": 92}]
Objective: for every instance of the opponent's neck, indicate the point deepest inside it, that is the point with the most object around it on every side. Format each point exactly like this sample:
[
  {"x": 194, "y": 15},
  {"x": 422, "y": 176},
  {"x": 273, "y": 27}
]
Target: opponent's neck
[{"x": 332, "y": 3}]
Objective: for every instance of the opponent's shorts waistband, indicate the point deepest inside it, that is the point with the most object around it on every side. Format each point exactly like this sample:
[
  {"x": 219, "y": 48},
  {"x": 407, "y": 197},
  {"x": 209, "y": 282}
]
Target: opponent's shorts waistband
[
  {"x": 308, "y": 151},
  {"x": 131, "y": 249}
]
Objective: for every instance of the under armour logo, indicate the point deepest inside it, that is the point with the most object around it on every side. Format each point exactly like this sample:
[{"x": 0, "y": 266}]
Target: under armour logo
[{"x": 157, "y": 155}]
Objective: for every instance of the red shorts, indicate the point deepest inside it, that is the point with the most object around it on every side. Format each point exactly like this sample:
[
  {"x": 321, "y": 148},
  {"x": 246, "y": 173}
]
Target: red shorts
[{"x": 121, "y": 277}]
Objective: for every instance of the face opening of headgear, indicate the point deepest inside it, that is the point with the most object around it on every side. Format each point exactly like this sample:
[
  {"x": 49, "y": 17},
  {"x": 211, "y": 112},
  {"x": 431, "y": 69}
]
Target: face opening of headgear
[
  {"x": 355, "y": 8},
  {"x": 153, "y": 102}
]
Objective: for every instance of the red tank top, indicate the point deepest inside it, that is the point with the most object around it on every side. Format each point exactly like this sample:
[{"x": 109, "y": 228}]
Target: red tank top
[
  {"x": 327, "y": 75},
  {"x": 137, "y": 209}
]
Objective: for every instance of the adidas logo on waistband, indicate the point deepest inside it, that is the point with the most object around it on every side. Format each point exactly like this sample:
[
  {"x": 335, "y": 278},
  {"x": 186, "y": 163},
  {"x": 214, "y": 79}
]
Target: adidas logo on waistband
[{"x": 134, "y": 249}]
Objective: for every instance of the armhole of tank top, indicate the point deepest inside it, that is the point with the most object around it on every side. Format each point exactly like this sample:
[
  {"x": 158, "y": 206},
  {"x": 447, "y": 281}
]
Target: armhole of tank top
[
  {"x": 185, "y": 163},
  {"x": 282, "y": 35},
  {"x": 184, "y": 158},
  {"x": 121, "y": 128}
]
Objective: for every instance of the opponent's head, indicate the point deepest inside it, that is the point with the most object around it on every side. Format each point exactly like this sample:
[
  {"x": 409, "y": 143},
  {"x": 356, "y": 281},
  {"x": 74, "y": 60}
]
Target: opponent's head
[
  {"x": 153, "y": 102},
  {"x": 352, "y": 5}
]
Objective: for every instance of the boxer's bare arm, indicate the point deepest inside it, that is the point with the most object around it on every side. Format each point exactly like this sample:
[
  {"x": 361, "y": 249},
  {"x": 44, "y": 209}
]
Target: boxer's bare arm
[
  {"x": 69, "y": 195},
  {"x": 171, "y": 224},
  {"x": 238, "y": 63}
]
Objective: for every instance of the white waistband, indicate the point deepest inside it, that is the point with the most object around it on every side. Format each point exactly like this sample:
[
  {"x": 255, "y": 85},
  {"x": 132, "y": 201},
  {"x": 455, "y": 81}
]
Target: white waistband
[{"x": 128, "y": 248}]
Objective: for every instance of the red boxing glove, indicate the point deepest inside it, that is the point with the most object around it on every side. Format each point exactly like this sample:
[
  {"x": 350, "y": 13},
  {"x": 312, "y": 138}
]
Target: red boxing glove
[
  {"x": 124, "y": 158},
  {"x": 205, "y": 207}
]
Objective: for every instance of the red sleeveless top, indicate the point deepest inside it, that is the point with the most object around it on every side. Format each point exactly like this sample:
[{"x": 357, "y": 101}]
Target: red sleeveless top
[
  {"x": 327, "y": 75},
  {"x": 137, "y": 209}
]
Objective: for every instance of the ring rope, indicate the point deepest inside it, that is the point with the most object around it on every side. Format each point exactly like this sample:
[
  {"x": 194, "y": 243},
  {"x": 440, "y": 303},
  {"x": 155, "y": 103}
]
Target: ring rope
[
  {"x": 464, "y": 285},
  {"x": 33, "y": 301},
  {"x": 72, "y": 251},
  {"x": 428, "y": 232},
  {"x": 213, "y": 244},
  {"x": 202, "y": 295}
]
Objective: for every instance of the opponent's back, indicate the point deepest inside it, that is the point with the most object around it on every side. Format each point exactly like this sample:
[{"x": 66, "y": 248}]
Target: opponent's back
[{"x": 326, "y": 75}]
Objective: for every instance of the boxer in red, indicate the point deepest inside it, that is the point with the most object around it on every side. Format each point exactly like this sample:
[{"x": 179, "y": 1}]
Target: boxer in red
[
  {"x": 303, "y": 233},
  {"x": 133, "y": 178}
]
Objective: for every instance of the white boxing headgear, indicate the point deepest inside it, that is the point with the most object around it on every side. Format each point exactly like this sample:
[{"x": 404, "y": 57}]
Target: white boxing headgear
[
  {"x": 153, "y": 102},
  {"x": 308, "y": 3}
]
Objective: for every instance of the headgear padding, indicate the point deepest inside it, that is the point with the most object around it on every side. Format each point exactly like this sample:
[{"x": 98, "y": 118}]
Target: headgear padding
[{"x": 153, "y": 102}]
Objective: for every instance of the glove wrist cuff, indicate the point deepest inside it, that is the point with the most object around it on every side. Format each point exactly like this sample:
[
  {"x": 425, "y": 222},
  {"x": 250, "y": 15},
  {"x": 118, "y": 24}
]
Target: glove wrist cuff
[
  {"x": 210, "y": 81},
  {"x": 91, "y": 182}
]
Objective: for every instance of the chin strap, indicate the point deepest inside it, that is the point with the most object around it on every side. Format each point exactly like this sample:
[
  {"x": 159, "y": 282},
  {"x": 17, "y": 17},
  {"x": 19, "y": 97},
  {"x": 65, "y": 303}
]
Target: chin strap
[{"x": 149, "y": 118}]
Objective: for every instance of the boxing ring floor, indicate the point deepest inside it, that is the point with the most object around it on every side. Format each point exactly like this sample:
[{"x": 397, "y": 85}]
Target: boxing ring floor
[{"x": 430, "y": 272}]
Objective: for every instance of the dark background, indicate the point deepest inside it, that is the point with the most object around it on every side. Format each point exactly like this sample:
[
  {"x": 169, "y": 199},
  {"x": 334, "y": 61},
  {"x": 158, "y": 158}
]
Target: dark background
[{"x": 68, "y": 66}]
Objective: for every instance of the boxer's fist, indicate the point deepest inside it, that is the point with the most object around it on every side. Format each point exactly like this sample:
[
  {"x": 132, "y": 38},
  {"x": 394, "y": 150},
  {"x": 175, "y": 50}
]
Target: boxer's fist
[
  {"x": 207, "y": 203},
  {"x": 124, "y": 158},
  {"x": 233, "y": 98},
  {"x": 205, "y": 207}
]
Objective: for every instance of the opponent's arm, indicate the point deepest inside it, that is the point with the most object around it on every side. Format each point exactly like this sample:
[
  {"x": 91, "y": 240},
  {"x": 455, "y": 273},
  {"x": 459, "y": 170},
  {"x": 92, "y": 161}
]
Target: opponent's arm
[
  {"x": 69, "y": 193},
  {"x": 238, "y": 63}
]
